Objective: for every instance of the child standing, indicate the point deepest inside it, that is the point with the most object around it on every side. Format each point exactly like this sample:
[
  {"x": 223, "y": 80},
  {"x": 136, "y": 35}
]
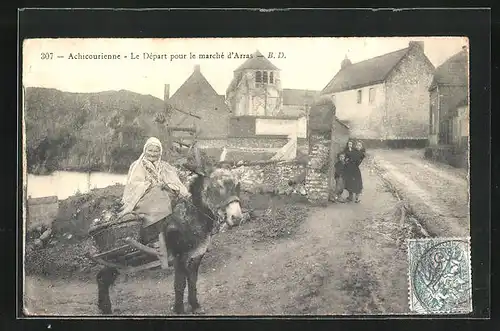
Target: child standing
[{"x": 339, "y": 177}]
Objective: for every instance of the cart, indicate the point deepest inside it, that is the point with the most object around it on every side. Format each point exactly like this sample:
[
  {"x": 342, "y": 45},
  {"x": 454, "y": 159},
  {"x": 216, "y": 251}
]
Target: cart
[{"x": 120, "y": 247}]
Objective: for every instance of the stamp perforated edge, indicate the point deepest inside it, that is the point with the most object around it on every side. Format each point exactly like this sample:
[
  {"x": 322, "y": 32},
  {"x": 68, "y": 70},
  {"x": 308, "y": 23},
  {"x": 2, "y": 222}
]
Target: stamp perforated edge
[{"x": 468, "y": 240}]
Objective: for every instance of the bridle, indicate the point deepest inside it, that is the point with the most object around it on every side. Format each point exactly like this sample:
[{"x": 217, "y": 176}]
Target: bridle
[
  {"x": 219, "y": 220},
  {"x": 217, "y": 223}
]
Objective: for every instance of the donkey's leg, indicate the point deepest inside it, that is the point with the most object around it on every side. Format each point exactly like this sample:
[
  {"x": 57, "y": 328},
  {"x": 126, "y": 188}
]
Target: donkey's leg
[
  {"x": 172, "y": 236},
  {"x": 192, "y": 277},
  {"x": 179, "y": 284},
  {"x": 105, "y": 278}
]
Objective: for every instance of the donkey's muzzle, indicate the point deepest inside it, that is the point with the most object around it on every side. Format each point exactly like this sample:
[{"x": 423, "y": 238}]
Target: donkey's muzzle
[
  {"x": 233, "y": 211},
  {"x": 235, "y": 220}
]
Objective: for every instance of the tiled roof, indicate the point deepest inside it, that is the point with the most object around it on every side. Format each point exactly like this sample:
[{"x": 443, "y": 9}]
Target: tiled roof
[
  {"x": 195, "y": 83},
  {"x": 258, "y": 61},
  {"x": 364, "y": 73},
  {"x": 196, "y": 96},
  {"x": 453, "y": 71},
  {"x": 299, "y": 97}
]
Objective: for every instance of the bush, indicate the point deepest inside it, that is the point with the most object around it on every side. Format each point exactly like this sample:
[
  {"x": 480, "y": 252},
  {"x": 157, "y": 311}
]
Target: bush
[{"x": 428, "y": 153}]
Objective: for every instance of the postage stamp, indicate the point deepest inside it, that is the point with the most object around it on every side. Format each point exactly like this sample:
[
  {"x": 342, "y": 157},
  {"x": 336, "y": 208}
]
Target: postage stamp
[{"x": 440, "y": 276}]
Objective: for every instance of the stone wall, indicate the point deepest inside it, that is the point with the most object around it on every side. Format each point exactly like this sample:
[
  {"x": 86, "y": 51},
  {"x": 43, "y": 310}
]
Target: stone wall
[
  {"x": 242, "y": 142},
  {"x": 394, "y": 143},
  {"x": 267, "y": 177},
  {"x": 271, "y": 144},
  {"x": 407, "y": 97},
  {"x": 452, "y": 155},
  {"x": 310, "y": 178},
  {"x": 317, "y": 175}
]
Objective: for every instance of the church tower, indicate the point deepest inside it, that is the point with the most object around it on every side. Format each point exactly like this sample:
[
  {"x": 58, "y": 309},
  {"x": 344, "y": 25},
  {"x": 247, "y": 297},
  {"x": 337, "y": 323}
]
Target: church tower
[{"x": 256, "y": 88}]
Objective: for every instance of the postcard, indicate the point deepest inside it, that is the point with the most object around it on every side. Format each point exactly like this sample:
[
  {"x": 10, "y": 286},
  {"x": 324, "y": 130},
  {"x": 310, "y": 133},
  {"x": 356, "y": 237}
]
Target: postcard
[{"x": 246, "y": 176}]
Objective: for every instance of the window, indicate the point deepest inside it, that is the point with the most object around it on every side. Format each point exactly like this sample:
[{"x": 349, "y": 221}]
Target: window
[
  {"x": 371, "y": 95},
  {"x": 359, "y": 96},
  {"x": 258, "y": 77},
  {"x": 271, "y": 77},
  {"x": 264, "y": 77}
]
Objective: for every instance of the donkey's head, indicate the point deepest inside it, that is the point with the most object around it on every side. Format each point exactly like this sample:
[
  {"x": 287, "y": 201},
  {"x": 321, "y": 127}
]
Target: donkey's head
[{"x": 219, "y": 191}]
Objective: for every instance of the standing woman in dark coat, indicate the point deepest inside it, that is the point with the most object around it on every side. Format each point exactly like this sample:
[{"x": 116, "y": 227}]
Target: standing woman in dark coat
[{"x": 355, "y": 153}]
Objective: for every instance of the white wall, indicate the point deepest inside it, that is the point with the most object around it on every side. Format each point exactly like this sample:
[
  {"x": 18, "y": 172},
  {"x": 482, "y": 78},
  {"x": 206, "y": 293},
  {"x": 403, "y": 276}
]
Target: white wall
[
  {"x": 269, "y": 126},
  {"x": 302, "y": 127},
  {"x": 364, "y": 118}
]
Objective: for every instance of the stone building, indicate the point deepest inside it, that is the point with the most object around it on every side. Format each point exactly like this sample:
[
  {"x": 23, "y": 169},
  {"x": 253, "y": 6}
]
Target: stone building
[
  {"x": 449, "y": 111},
  {"x": 449, "y": 93},
  {"x": 255, "y": 89},
  {"x": 385, "y": 97},
  {"x": 262, "y": 110},
  {"x": 197, "y": 97}
]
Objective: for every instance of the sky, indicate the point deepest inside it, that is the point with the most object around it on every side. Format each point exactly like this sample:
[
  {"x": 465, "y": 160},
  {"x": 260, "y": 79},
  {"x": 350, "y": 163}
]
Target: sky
[{"x": 309, "y": 63}]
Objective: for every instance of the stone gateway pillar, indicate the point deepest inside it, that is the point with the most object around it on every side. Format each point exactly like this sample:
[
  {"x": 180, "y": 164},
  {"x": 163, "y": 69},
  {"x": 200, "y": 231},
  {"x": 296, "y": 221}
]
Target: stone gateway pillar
[{"x": 317, "y": 173}]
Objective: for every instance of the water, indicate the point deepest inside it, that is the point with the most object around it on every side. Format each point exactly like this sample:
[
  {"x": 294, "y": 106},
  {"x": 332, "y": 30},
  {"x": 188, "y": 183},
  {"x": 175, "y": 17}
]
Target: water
[{"x": 66, "y": 183}]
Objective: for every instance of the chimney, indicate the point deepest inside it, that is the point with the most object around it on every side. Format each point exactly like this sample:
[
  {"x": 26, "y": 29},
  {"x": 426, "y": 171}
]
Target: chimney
[
  {"x": 197, "y": 68},
  {"x": 166, "y": 92},
  {"x": 345, "y": 62},
  {"x": 419, "y": 44}
]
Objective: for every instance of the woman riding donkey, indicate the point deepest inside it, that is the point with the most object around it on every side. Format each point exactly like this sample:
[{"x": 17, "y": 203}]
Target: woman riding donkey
[
  {"x": 354, "y": 154},
  {"x": 187, "y": 225},
  {"x": 148, "y": 191}
]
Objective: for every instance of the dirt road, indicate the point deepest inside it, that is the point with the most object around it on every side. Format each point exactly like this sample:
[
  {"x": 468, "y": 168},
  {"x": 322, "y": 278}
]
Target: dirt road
[
  {"x": 438, "y": 193},
  {"x": 345, "y": 259}
]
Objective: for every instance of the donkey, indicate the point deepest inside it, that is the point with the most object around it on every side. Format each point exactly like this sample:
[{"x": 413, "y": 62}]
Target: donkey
[{"x": 214, "y": 205}]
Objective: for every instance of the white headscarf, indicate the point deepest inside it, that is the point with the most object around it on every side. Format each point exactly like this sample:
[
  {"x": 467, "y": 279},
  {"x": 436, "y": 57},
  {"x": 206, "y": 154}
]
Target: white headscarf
[
  {"x": 164, "y": 173},
  {"x": 153, "y": 141}
]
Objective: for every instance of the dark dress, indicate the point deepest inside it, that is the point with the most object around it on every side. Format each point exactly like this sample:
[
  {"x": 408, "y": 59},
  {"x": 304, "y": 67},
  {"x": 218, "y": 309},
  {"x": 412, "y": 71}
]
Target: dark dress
[
  {"x": 352, "y": 174},
  {"x": 339, "y": 169},
  {"x": 339, "y": 177}
]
